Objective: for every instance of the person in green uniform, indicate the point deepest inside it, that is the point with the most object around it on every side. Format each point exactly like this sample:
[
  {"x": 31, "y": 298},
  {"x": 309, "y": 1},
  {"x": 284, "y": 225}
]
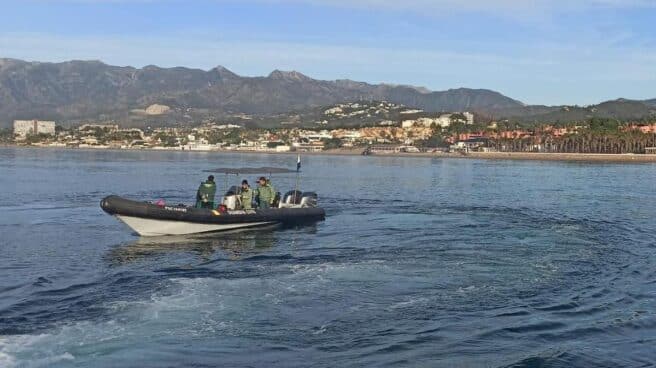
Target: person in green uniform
[
  {"x": 246, "y": 195},
  {"x": 264, "y": 193},
  {"x": 274, "y": 193},
  {"x": 205, "y": 193}
]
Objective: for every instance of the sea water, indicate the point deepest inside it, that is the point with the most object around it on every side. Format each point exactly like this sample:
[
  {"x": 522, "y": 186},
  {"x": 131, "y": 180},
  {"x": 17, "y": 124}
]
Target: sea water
[{"x": 421, "y": 262}]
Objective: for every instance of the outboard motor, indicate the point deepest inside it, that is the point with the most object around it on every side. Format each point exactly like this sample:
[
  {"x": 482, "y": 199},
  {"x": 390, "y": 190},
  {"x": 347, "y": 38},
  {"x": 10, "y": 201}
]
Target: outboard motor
[
  {"x": 230, "y": 199},
  {"x": 309, "y": 199},
  {"x": 230, "y": 202},
  {"x": 293, "y": 197}
]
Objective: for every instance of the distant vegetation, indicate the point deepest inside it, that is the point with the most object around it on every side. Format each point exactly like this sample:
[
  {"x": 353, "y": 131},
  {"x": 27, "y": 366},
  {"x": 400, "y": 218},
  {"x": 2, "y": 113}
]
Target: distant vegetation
[
  {"x": 6, "y": 135},
  {"x": 333, "y": 143},
  {"x": 38, "y": 138},
  {"x": 597, "y": 135}
]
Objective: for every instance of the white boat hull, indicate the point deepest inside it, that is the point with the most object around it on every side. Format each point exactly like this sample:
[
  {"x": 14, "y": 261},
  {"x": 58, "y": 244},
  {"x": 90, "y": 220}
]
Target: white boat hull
[{"x": 153, "y": 227}]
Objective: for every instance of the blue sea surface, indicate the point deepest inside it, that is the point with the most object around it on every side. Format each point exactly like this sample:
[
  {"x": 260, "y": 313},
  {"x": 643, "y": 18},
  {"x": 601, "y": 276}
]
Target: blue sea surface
[{"x": 421, "y": 262}]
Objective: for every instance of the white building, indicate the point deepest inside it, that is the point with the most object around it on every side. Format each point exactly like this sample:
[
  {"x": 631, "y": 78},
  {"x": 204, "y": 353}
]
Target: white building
[
  {"x": 333, "y": 111},
  {"x": 227, "y": 126},
  {"x": 349, "y": 135},
  {"x": 411, "y": 111},
  {"x": 443, "y": 120},
  {"x": 109, "y": 127},
  {"x": 316, "y": 136},
  {"x": 469, "y": 116},
  {"x": 387, "y": 123},
  {"x": 200, "y": 145},
  {"x": 24, "y": 127}
]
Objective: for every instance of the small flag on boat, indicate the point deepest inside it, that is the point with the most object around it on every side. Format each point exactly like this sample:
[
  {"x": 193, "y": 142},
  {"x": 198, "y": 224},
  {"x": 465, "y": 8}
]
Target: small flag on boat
[{"x": 298, "y": 163}]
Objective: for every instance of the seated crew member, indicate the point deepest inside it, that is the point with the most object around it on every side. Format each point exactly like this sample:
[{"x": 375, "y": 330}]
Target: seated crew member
[
  {"x": 246, "y": 195},
  {"x": 264, "y": 193},
  {"x": 205, "y": 193}
]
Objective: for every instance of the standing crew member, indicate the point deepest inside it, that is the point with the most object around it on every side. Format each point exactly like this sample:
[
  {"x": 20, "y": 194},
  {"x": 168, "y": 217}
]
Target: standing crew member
[
  {"x": 264, "y": 193},
  {"x": 276, "y": 196},
  {"x": 205, "y": 193},
  {"x": 246, "y": 195}
]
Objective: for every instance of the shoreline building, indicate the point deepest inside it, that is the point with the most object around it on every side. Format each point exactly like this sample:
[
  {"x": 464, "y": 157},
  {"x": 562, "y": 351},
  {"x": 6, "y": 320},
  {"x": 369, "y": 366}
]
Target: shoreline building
[
  {"x": 23, "y": 128},
  {"x": 443, "y": 120}
]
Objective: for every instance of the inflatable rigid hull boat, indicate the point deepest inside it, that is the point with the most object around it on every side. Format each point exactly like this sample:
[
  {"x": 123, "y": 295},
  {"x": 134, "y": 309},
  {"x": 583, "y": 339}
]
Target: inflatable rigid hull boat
[{"x": 150, "y": 219}]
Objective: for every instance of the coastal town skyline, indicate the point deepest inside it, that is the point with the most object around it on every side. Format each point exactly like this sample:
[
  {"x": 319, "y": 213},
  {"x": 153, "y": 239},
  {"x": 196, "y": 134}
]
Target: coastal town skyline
[
  {"x": 548, "y": 52},
  {"x": 385, "y": 128}
]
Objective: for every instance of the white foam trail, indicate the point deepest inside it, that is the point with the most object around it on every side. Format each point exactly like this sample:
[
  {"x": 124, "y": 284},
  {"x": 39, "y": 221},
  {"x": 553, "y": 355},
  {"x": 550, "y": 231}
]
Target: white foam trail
[
  {"x": 11, "y": 348},
  {"x": 202, "y": 308},
  {"x": 6, "y": 360}
]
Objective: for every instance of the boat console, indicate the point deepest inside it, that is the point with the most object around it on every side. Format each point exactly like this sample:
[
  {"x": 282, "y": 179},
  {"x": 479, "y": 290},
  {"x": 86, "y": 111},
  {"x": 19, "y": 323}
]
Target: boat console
[{"x": 231, "y": 198}]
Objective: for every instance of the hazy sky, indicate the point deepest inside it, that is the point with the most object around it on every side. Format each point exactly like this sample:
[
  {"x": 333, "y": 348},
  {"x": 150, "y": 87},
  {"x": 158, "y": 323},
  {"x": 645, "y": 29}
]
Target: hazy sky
[{"x": 537, "y": 51}]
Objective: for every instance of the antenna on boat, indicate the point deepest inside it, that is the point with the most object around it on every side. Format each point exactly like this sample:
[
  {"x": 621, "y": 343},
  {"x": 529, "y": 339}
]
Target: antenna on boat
[{"x": 298, "y": 172}]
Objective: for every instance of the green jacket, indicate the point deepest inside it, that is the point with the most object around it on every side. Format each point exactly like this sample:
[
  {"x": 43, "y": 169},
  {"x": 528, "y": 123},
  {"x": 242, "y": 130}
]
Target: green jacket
[
  {"x": 246, "y": 197},
  {"x": 206, "y": 192},
  {"x": 265, "y": 193}
]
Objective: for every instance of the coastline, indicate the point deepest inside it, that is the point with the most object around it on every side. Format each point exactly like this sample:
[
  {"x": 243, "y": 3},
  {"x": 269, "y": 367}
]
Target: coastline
[
  {"x": 515, "y": 156},
  {"x": 539, "y": 156}
]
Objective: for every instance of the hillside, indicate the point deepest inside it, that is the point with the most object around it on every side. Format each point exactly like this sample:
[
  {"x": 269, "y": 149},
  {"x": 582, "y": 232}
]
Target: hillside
[
  {"x": 77, "y": 90},
  {"x": 620, "y": 109},
  {"x": 341, "y": 115},
  {"x": 651, "y": 102}
]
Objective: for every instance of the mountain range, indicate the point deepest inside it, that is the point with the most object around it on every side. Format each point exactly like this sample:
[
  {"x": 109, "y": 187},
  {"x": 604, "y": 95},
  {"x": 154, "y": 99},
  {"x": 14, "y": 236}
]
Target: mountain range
[{"x": 87, "y": 90}]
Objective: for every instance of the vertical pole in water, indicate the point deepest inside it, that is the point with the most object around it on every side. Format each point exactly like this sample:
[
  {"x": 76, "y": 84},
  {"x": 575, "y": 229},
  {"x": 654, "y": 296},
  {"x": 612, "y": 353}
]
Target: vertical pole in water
[{"x": 298, "y": 171}]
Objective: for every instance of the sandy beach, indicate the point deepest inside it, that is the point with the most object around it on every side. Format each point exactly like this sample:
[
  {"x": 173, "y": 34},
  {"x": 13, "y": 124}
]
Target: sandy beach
[
  {"x": 572, "y": 157},
  {"x": 533, "y": 156}
]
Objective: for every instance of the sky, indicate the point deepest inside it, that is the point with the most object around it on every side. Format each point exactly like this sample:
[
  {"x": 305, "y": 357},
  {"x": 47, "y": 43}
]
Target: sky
[{"x": 537, "y": 51}]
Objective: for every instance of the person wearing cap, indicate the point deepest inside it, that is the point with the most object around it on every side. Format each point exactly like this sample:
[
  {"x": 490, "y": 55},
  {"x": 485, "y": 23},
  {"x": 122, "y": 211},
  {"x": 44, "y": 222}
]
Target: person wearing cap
[
  {"x": 264, "y": 193},
  {"x": 205, "y": 193},
  {"x": 246, "y": 195}
]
